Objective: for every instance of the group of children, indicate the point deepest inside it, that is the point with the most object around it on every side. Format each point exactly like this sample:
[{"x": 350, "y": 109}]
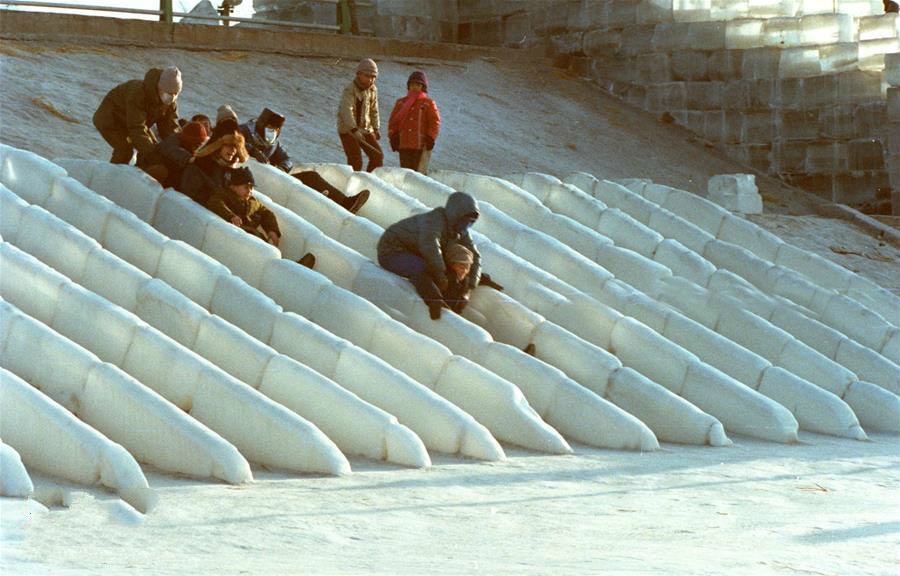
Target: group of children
[{"x": 205, "y": 162}]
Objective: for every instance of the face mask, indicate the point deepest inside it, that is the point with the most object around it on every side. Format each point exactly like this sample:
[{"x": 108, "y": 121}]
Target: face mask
[
  {"x": 166, "y": 98},
  {"x": 271, "y": 135}
]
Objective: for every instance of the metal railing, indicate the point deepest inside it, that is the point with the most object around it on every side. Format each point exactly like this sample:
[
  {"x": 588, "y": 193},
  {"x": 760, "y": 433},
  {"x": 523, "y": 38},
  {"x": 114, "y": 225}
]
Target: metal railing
[{"x": 166, "y": 14}]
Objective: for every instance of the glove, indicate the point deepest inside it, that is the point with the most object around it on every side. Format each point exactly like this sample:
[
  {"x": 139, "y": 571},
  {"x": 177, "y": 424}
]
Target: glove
[{"x": 429, "y": 142}]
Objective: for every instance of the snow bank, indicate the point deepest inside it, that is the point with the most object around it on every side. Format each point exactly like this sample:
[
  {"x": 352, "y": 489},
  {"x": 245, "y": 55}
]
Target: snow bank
[
  {"x": 52, "y": 440},
  {"x": 14, "y": 479},
  {"x": 112, "y": 402},
  {"x": 441, "y": 425}
]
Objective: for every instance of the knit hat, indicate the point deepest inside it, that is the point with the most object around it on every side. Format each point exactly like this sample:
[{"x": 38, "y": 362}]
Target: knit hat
[
  {"x": 367, "y": 66},
  {"x": 170, "y": 80},
  {"x": 192, "y": 136},
  {"x": 418, "y": 76},
  {"x": 224, "y": 112},
  {"x": 241, "y": 175},
  {"x": 458, "y": 253}
]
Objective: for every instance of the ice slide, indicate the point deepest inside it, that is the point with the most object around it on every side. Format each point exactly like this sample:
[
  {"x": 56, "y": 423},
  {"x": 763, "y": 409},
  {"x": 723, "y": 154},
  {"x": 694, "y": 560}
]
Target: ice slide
[
  {"x": 572, "y": 409},
  {"x": 814, "y": 408},
  {"x": 742, "y": 335},
  {"x": 263, "y": 431},
  {"x": 595, "y": 322},
  {"x": 669, "y": 416},
  {"x": 113, "y": 403},
  {"x": 833, "y": 308},
  {"x": 14, "y": 479},
  {"x": 801, "y": 323},
  {"x": 489, "y": 398},
  {"x": 441, "y": 425},
  {"x": 357, "y": 427},
  {"x": 52, "y": 440}
]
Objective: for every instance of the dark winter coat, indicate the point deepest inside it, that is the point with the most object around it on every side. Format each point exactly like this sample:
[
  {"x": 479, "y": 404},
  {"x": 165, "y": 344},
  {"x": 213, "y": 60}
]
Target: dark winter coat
[
  {"x": 257, "y": 146},
  {"x": 227, "y": 204},
  {"x": 175, "y": 158},
  {"x": 428, "y": 234},
  {"x": 203, "y": 178},
  {"x": 134, "y": 107}
]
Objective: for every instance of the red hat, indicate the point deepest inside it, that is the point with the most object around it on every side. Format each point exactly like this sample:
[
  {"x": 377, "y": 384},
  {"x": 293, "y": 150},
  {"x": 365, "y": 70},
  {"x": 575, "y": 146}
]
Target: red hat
[{"x": 192, "y": 136}]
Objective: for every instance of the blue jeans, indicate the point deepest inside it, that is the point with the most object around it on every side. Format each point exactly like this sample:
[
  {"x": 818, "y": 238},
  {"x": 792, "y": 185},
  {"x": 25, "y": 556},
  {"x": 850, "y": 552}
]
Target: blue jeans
[{"x": 413, "y": 267}]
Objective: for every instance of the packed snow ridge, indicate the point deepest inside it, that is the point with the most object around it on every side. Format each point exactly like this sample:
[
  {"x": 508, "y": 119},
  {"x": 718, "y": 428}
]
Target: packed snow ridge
[{"x": 168, "y": 336}]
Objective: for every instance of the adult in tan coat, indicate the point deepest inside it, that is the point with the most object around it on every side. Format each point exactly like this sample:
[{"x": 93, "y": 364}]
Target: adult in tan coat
[
  {"x": 131, "y": 109},
  {"x": 358, "y": 124}
]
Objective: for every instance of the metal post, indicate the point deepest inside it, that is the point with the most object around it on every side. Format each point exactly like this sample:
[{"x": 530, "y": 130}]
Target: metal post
[{"x": 165, "y": 6}]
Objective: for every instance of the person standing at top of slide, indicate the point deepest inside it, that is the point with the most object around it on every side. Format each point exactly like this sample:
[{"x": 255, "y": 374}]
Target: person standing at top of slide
[
  {"x": 414, "y": 124},
  {"x": 128, "y": 112},
  {"x": 358, "y": 124}
]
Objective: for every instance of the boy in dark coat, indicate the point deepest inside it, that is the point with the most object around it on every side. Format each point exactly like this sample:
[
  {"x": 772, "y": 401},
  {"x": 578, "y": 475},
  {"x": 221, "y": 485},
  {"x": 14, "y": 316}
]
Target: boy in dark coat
[
  {"x": 177, "y": 151},
  {"x": 129, "y": 111},
  {"x": 236, "y": 204},
  {"x": 261, "y": 135},
  {"x": 415, "y": 249}
]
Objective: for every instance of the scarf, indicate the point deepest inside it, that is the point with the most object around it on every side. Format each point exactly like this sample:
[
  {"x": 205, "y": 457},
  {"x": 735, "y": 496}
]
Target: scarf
[{"x": 407, "y": 105}]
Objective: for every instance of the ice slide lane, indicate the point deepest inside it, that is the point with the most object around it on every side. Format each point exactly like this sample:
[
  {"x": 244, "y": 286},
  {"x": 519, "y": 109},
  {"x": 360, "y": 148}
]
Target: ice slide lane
[
  {"x": 815, "y": 409},
  {"x": 759, "y": 416},
  {"x": 570, "y": 408},
  {"x": 524, "y": 206},
  {"x": 739, "y": 345},
  {"x": 835, "y": 309},
  {"x": 373, "y": 433},
  {"x": 52, "y": 440},
  {"x": 14, "y": 479},
  {"x": 510, "y": 322},
  {"x": 723, "y": 225},
  {"x": 868, "y": 364},
  {"x": 113, "y": 403},
  {"x": 263, "y": 431},
  {"x": 440, "y": 424}
]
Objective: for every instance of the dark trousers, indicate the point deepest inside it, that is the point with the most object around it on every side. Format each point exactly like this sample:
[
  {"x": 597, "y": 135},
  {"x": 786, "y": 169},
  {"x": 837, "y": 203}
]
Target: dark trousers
[
  {"x": 315, "y": 181},
  {"x": 412, "y": 267},
  {"x": 122, "y": 150},
  {"x": 415, "y": 159},
  {"x": 354, "y": 152}
]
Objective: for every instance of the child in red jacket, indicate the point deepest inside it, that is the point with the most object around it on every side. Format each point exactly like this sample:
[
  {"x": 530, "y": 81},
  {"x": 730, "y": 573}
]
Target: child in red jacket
[{"x": 414, "y": 124}]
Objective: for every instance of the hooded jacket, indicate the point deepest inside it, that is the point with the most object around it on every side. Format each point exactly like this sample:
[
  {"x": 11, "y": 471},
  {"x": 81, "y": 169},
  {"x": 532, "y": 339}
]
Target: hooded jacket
[
  {"x": 429, "y": 233},
  {"x": 258, "y": 147},
  {"x": 207, "y": 174},
  {"x": 134, "y": 107}
]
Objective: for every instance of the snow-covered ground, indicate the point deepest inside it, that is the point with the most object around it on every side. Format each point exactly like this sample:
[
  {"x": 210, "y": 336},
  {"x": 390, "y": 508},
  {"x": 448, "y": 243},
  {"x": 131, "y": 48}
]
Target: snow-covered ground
[{"x": 753, "y": 507}]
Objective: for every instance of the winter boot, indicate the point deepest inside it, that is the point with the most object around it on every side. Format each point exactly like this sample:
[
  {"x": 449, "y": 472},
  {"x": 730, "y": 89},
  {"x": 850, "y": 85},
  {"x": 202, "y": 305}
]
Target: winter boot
[
  {"x": 487, "y": 281},
  {"x": 354, "y": 203},
  {"x": 308, "y": 260},
  {"x": 530, "y": 349},
  {"x": 434, "y": 310}
]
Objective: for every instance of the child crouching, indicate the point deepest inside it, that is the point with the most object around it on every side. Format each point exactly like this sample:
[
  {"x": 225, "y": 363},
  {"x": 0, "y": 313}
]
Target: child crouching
[{"x": 236, "y": 204}]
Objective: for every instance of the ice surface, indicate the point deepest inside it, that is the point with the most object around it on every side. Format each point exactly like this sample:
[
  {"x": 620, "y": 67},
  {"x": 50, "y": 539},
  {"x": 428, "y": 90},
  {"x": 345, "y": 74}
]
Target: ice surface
[
  {"x": 245, "y": 307},
  {"x": 752, "y": 332},
  {"x": 11, "y": 209},
  {"x": 392, "y": 342},
  {"x": 820, "y": 271},
  {"x": 14, "y": 479},
  {"x": 683, "y": 261},
  {"x": 702, "y": 212},
  {"x": 809, "y": 364},
  {"x": 742, "y": 232},
  {"x": 28, "y": 175},
  {"x": 857, "y": 322},
  {"x": 34, "y": 285},
  {"x": 111, "y": 277},
  {"x": 891, "y": 348},
  {"x": 386, "y": 204},
  {"x": 346, "y": 314},
  {"x": 631, "y": 267},
  {"x": 163, "y": 366},
  {"x": 672, "y": 418},
  {"x": 178, "y": 216},
  {"x": 336, "y": 174},
  {"x": 823, "y": 338},
  {"x": 793, "y": 286},
  {"x": 245, "y": 255},
  {"x": 128, "y": 187},
  {"x": 742, "y": 262},
  {"x": 672, "y": 226},
  {"x": 89, "y": 320},
  {"x": 668, "y": 365},
  {"x": 295, "y": 287},
  {"x": 507, "y": 320},
  {"x": 480, "y": 392},
  {"x": 230, "y": 348},
  {"x": 169, "y": 311},
  {"x": 190, "y": 271},
  {"x": 134, "y": 241},
  {"x": 739, "y": 408},
  {"x": 334, "y": 260},
  {"x": 876, "y": 408},
  {"x": 82, "y": 208},
  {"x": 51, "y": 241},
  {"x": 387, "y": 291},
  {"x": 627, "y": 232},
  {"x": 53, "y": 441},
  {"x": 815, "y": 409},
  {"x": 362, "y": 235},
  {"x": 308, "y": 343}
]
